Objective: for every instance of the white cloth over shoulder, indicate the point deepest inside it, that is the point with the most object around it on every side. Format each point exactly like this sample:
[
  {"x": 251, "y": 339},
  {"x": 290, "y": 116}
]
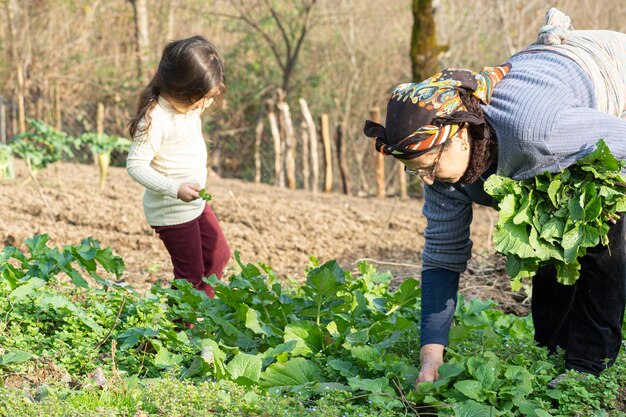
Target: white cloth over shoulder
[{"x": 601, "y": 53}]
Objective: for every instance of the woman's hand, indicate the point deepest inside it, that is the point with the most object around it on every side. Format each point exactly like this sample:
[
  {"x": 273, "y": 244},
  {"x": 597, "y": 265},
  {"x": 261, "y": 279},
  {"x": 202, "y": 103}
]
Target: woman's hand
[
  {"x": 188, "y": 191},
  {"x": 431, "y": 358}
]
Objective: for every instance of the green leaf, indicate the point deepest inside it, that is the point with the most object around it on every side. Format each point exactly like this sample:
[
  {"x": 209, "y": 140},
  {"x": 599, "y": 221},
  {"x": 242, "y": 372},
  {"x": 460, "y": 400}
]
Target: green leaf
[
  {"x": 297, "y": 371},
  {"x": 76, "y": 278},
  {"x": 346, "y": 368},
  {"x": 473, "y": 409},
  {"x": 246, "y": 366},
  {"x": 572, "y": 239},
  {"x": 497, "y": 186},
  {"x": 600, "y": 157},
  {"x": 307, "y": 335},
  {"x": 568, "y": 273},
  {"x": 593, "y": 208},
  {"x": 165, "y": 359},
  {"x": 252, "y": 320},
  {"x": 554, "y": 192},
  {"x": 485, "y": 374},
  {"x": 61, "y": 304},
  {"x": 26, "y": 289},
  {"x": 513, "y": 239},
  {"x": 204, "y": 195},
  {"x": 552, "y": 230},
  {"x": 576, "y": 212},
  {"x": 375, "y": 386},
  {"x": 366, "y": 354},
  {"x": 471, "y": 389},
  {"x": 449, "y": 371},
  {"x": 406, "y": 295},
  {"x": 272, "y": 352},
  {"x": 15, "y": 357},
  {"x": 37, "y": 244},
  {"x": 525, "y": 213},
  {"x": 521, "y": 381},
  {"x": 323, "y": 284}
]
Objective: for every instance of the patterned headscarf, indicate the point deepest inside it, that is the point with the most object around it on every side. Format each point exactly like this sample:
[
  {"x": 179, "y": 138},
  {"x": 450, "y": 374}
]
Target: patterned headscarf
[{"x": 421, "y": 116}]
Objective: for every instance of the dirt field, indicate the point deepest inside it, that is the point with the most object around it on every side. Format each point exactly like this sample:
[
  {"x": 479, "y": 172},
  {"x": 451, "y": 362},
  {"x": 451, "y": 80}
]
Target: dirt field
[{"x": 265, "y": 223}]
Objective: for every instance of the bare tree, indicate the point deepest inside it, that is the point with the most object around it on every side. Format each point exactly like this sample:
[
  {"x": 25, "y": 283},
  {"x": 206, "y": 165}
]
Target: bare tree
[
  {"x": 142, "y": 40},
  {"x": 286, "y": 37},
  {"x": 424, "y": 47}
]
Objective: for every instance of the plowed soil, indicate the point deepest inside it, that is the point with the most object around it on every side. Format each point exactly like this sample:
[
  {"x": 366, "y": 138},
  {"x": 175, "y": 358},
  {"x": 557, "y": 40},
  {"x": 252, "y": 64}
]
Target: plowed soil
[{"x": 266, "y": 224}]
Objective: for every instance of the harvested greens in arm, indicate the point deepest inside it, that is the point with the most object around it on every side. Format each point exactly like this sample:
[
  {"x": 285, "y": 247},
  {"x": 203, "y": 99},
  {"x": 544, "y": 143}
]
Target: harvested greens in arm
[{"x": 554, "y": 218}]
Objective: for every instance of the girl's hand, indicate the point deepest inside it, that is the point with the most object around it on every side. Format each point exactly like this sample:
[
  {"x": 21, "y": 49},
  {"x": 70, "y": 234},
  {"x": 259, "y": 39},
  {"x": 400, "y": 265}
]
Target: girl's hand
[
  {"x": 431, "y": 358},
  {"x": 188, "y": 191}
]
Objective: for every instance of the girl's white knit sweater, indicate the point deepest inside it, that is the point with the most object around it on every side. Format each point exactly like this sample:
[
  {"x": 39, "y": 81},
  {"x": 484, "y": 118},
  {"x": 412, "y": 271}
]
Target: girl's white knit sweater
[{"x": 170, "y": 152}]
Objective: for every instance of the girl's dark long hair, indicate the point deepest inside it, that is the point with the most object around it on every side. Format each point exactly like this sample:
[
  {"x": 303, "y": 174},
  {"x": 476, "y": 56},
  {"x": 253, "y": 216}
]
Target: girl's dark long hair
[
  {"x": 190, "y": 69},
  {"x": 484, "y": 143}
]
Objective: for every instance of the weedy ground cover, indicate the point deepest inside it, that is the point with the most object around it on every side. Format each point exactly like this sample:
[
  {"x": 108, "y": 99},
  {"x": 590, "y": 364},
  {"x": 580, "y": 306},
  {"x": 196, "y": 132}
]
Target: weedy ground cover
[{"x": 341, "y": 343}]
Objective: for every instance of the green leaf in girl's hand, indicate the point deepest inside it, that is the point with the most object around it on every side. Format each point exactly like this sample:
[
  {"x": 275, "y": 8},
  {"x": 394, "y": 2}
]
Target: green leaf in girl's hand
[{"x": 204, "y": 195}]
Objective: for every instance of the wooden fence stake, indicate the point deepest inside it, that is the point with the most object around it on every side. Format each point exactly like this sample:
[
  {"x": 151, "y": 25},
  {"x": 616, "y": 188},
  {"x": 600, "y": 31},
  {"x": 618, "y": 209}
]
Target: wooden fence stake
[
  {"x": 341, "y": 157},
  {"x": 99, "y": 128},
  {"x": 21, "y": 111},
  {"x": 315, "y": 171},
  {"x": 290, "y": 151},
  {"x": 328, "y": 157},
  {"x": 306, "y": 174},
  {"x": 3, "y": 122},
  {"x": 279, "y": 176},
  {"x": 402, "y": 181},
  {"x": 258, "y": 136},
  {"x": 380, "y": 159}
]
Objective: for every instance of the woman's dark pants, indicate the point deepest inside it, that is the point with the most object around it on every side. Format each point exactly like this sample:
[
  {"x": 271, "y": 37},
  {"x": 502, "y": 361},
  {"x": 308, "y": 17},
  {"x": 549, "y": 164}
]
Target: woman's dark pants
[{"x": 586, "y": 318}]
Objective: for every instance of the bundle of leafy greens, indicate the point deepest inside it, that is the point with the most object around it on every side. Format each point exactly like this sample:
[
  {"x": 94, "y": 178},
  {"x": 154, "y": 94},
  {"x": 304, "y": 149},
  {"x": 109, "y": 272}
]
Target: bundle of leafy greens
[{"x": 554, "y": 218}]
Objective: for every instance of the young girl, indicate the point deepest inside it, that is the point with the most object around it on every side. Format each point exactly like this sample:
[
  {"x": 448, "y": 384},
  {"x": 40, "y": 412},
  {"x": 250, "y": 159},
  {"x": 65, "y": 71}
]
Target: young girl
[{"x": 169, "y": 158}]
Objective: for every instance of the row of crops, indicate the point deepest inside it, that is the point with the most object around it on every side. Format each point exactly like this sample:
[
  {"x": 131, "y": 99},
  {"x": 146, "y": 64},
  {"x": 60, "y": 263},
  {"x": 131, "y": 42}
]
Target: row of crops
[
  {"x": 333, "y": 336},
  {"x": 42, "y": 145}
]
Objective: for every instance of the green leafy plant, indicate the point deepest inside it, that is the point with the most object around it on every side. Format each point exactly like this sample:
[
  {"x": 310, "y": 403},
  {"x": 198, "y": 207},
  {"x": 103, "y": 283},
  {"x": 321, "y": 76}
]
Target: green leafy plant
[
  {"x": 6, "y": 163},
  {"x": 102, "y": 145},
  {"x": 41, "y": 145},
  {"x": 204, "y": 195},
  {"x": 554, "y": 218},
  {"x": 337, "y": 335}
]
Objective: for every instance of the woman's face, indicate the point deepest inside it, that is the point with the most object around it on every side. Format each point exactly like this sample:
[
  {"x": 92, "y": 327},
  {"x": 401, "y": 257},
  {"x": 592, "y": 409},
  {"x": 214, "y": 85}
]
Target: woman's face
[{"x": 447, "y": 164}]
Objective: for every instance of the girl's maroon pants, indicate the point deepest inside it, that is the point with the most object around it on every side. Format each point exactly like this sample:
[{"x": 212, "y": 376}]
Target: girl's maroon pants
[{"x": 198, "y": 249}]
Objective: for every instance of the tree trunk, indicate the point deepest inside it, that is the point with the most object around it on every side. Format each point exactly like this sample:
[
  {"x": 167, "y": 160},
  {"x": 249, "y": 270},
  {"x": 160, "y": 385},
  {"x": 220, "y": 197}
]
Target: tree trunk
[
  {"x": 21, "y": 111},
  {"x": 424, "y": 48},
  {"x": 328, "y": 156},
  {"x": 142, "y": 41},
  {"x": 169, "y": 33},
  {"x": 306, "y": 174},
  {"x": 279, "y": 177},
  {"x": 341, "y": 157},
  {"x": 380, "y": 159},
  {"x": 315, "y": 171},
  {"x": 11, "y": 11}
]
